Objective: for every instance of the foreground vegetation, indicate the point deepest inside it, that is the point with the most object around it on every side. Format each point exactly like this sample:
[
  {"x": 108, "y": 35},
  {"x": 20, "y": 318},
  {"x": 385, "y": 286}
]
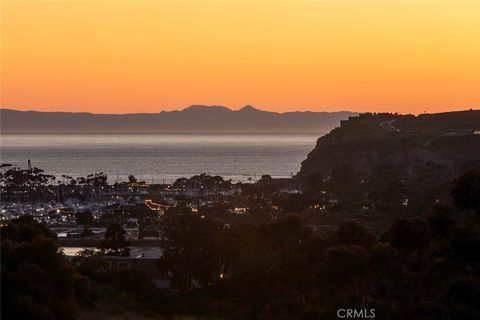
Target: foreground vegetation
[{"x": 423, "y": 267}]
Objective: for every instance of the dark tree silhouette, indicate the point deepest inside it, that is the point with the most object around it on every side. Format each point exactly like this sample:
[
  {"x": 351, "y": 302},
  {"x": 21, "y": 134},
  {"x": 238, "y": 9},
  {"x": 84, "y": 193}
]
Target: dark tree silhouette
[
  {"x": 132, "y": 179},
  {"x": 192, "y": 250},
  {"x": 37, "y": 281},
  {"x": 115, "y": 243},
  {"x": 85, "y": 219},
  {"x": 466, "y": 191}
]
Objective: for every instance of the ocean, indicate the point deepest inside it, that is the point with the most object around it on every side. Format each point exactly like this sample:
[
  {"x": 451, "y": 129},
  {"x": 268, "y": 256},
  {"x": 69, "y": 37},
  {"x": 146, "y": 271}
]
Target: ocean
[{"x": 158, "y": 158}]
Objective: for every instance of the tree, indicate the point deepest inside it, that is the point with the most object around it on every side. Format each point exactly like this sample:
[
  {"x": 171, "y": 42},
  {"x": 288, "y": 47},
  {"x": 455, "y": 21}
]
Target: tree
[
  {"x": 352, "y": 233},
  {"x": 23, "y": 184},
  {"x": 466, "y": 191},
  {"x": 85, "y": 218},
  {"x": 25, "y": 229},
  {"x": 286, "y": 231},
  {"x": 132, "y": 179},
  {"x": 37, "y": 281},
  {"x": 409, "y": 234},
  {"x": 193, "y": 249},
  {"x": 115, "y": 243}
]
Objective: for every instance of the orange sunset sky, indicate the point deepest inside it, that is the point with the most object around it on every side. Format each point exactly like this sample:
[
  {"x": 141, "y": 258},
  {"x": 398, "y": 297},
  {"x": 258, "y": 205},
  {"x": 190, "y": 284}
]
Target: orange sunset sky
[{"x": 147, "y": 56}]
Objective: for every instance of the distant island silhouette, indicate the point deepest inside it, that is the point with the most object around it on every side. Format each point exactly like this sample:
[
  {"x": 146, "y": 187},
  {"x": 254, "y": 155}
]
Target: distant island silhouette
[{"x": 194, "y": 119}]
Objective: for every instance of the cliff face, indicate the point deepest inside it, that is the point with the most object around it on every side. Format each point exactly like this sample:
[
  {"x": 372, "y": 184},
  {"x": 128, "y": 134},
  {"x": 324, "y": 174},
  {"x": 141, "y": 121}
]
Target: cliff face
[{"x": 450, "y": 141}]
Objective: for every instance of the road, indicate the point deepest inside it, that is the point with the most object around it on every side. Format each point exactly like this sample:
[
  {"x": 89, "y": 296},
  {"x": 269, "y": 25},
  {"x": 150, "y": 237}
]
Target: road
[{"x": 388, "y": 125}]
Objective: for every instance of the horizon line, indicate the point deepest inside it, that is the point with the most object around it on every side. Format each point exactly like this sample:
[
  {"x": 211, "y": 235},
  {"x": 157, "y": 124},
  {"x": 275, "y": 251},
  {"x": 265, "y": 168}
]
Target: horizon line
[{"x": 245, "y": 107}]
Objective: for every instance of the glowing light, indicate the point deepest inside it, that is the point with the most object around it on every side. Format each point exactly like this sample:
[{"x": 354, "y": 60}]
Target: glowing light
[{"x": 155, "y": 206}]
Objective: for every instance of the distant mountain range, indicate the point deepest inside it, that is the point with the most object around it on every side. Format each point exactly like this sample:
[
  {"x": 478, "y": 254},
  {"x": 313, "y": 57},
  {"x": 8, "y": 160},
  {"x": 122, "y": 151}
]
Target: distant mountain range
[{"x": 194, "y": 119}]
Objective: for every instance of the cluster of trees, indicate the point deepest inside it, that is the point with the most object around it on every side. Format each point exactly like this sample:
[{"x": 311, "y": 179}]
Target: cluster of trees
[
  {"x": 33, "y": 185},
  {"x": 82, "y": 188},
  {"x": 23, "y": 184},
  {"x": 424, "y": 267},
  {"x": 202, "y": 181},
  {"x": 376, "y": 198},
  {"x": 37, "y": 280}
]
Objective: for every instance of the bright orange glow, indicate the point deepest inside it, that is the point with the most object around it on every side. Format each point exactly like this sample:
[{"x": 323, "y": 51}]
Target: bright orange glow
[
  {"x": 147, "y": 56},
  {"x": 155, "y": 206}
]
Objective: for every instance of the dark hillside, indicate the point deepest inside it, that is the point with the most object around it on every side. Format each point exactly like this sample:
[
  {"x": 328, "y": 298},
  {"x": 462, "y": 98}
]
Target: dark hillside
[
  {"x": 389, "y": 162},
  {"x": 406, "y": 142}
]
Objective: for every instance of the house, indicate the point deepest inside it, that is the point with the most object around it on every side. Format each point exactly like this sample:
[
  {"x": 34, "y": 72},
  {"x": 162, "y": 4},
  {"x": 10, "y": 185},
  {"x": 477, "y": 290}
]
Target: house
[{"x": 143, "y": 259}]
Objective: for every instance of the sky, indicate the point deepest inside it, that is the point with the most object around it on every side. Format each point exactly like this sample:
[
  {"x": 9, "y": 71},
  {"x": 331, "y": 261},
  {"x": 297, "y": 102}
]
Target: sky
[{"x": 147, "y": 56}]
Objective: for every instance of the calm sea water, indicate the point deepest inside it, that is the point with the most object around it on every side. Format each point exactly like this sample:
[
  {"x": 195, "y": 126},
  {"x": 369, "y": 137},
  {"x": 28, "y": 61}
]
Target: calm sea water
[{"x": 160, "y": 157}]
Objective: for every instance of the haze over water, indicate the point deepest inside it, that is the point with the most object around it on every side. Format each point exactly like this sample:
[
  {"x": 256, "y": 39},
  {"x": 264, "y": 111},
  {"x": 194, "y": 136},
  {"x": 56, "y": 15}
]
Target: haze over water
[{"x": 160, "y": 157}]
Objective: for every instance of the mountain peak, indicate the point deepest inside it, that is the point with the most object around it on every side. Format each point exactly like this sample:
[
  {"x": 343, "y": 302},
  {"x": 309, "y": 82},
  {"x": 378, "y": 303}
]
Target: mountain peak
[
  {"x": 248, "y": 108},
  {"x": 196, "y": 107}
]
